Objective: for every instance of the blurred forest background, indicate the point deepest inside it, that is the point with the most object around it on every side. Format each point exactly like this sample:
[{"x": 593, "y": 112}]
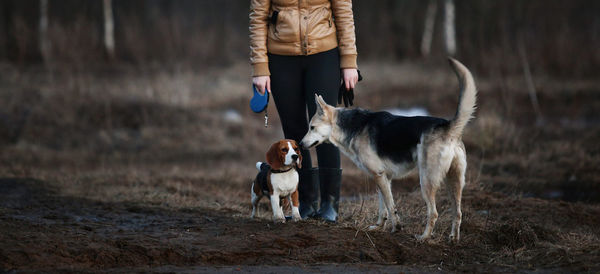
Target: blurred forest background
[
  {"x": 166, "y": 82},
  {"x": 560, "y": 37}
]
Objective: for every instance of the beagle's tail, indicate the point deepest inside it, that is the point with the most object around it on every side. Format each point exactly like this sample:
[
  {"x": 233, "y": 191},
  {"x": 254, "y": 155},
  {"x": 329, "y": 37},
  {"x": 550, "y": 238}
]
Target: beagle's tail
[
  {"x": 467, "y": 99},
  {"x": 258, "y": 164}
]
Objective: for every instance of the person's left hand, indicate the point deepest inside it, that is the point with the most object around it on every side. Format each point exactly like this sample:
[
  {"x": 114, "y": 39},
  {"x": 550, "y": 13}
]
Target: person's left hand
[{"x": 350, "y": 77}]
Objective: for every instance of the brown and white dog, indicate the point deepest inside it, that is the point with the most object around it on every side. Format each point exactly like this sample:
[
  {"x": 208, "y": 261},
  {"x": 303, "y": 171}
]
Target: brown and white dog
[{"x": 278, "y": 179}]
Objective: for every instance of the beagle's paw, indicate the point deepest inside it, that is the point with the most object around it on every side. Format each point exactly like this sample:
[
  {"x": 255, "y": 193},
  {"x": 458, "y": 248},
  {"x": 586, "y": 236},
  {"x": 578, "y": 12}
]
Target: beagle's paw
[
  {"x": 296, "y": 217},
  {"x": 278, "y": 219}
]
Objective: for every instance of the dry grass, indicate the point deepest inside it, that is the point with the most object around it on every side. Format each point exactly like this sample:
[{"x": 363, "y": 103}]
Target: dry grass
[{"x": 159, "y": 138}]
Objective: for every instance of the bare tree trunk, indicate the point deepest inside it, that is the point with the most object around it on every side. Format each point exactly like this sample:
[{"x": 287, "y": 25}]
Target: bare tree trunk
[
  {"x": 43, "y": 31},
  {"x": 529, "y": 80},
  {"x": 428, "y": 27},
  {"x": 109, "y": 37},
  {"x": 449, "y": 28}
]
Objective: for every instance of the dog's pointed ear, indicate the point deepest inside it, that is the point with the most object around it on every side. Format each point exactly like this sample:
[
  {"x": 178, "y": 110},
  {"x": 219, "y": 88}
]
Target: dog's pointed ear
[
  {"x": 322, "y": 107},
  {"x": 273, "y": 158},
  {"x": 318, "y": 100}
]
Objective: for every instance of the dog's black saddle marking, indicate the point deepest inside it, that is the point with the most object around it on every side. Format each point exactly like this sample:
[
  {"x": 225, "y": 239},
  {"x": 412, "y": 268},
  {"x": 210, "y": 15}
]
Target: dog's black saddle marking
[
  {"x": 261, "y": 178},
  {"x": 394, "y": 137}
]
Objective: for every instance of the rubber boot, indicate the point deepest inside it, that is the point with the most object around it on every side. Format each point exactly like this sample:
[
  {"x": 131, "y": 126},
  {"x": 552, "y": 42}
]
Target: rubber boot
[
  {"x": 308, "y": 192},
  {"x": 330, "y": 180}
]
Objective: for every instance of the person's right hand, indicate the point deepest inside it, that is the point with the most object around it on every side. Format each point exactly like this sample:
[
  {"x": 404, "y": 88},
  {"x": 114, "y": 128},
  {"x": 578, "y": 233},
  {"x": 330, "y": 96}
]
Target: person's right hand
[{"x": 262, "y": 83}]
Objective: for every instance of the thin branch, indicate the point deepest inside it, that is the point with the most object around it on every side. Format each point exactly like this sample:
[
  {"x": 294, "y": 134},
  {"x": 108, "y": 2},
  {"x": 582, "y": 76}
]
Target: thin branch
[
  {"x": 43, "y": 31},
  {"x": 109, "y": 37},
  {"x": 529, "y": 79},
  {"x": 449, "y": 27},
  {"x": 428, "y": 29}
]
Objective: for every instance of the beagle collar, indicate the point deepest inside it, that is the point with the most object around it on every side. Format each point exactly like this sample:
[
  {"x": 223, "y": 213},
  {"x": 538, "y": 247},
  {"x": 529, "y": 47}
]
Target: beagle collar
[{"x": 282, "y": 171}]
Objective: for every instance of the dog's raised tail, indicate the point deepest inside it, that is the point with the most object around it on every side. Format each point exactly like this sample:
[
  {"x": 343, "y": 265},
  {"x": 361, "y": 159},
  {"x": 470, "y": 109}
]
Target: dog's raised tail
[
  {"x": 467, "y": 99},
  {"x": 258, "y": 164}
]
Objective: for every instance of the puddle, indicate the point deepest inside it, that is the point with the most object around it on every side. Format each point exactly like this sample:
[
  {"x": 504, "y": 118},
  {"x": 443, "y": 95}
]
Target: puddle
[
  {"x": 569, "y": 194},
  {"x": 580, "y": 123},
  {"x": 567, "y": 191}
]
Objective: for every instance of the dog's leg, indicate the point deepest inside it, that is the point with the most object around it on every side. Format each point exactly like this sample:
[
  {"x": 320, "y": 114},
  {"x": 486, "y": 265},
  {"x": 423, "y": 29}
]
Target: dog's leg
[
  {"x": 434, "y": 162},
  {"x": 277, "y": 210},
  {"x": 382, "y": 213},
  {"x": 455, "y": 185},
  {"x": 385, "y": 187},
  {"x": 254, "y": 199},
  {"x": 428, "y": 190},
  {"x": 295, "y": 204}
]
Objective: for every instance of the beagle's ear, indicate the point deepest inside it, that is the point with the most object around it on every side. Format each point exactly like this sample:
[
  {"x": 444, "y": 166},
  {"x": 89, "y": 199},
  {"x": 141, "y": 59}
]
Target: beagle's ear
[
  {"x": 299, "y": 162},
  {"x": 273, "y": 158}
]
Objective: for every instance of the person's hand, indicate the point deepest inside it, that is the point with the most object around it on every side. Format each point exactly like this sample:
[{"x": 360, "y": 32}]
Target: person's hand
[
  {"x": 350, "y": 77},
  {"x": 262, "y": 83}
]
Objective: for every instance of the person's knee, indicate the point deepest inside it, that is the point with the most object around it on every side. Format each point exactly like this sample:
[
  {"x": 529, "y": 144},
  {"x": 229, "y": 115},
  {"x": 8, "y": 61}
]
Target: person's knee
[
  {"x": 295, "y": 132},
  {"x": 327, "y": 148}
]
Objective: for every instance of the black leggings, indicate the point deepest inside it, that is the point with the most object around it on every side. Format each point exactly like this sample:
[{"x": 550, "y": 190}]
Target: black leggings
[{"x": 294, "y": 82}]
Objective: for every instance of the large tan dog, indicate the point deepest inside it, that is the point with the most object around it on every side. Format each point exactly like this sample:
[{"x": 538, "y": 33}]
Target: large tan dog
[{"x": 386, "y": 146}]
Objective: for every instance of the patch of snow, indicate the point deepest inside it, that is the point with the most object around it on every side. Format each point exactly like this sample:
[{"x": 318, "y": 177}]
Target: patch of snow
[
  {"x": 233, "y": 116},
  {"x": 414, "y": 111}
]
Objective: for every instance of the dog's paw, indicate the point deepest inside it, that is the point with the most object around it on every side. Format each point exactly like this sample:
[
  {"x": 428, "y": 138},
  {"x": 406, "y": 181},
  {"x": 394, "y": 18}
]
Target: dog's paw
[
  {"x": 422, "y": 238},
  {"x": 453, "y": 239},
  {"x": 279, "y": 220},
  {"x": 396, "y": 228},
  {"x": 296, "y": 218}
]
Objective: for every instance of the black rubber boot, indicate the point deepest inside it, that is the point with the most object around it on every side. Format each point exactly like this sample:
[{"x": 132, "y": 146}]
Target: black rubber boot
[
  {"x": 330, "y": 180},
  {"x": 308, "y": 192}
]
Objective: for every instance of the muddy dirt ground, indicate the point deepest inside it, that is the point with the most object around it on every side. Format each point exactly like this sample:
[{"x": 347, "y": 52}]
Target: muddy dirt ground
[{"x": 147, "y": 181}]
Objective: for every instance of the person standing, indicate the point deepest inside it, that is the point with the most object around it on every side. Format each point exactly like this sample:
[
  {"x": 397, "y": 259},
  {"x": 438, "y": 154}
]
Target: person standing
[{"x": 299, "y": 48}]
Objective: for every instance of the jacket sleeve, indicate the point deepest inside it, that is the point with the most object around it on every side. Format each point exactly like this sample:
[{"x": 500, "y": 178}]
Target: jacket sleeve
[
  {"x": 344, "y": 22},
  {"x": 259, "y": 11}
]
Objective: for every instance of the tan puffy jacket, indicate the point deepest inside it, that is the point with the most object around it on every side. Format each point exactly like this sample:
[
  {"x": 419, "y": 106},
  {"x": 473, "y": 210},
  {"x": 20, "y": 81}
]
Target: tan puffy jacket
[{"x": 303, "y": 27}]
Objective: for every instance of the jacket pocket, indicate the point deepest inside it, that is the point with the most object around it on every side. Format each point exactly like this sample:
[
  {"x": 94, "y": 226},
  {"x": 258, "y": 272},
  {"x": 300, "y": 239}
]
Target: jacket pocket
[
  {"x": 286, "y": 26},
  {"x": 321, "y": 24},
  {"x": 273, "y": 20}
]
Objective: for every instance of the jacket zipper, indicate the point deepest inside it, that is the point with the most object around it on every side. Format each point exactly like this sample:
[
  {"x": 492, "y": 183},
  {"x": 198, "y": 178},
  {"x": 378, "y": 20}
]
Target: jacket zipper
[{"x": 302, "y": 37}]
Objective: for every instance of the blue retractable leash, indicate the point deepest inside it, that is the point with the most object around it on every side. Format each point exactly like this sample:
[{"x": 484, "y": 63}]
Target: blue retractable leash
[{"x": 259, "y": 103}]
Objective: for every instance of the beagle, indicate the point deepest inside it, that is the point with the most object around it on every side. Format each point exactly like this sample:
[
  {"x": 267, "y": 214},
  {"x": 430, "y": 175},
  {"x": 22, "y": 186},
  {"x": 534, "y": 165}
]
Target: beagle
[{"x": 278, "y": 179}]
